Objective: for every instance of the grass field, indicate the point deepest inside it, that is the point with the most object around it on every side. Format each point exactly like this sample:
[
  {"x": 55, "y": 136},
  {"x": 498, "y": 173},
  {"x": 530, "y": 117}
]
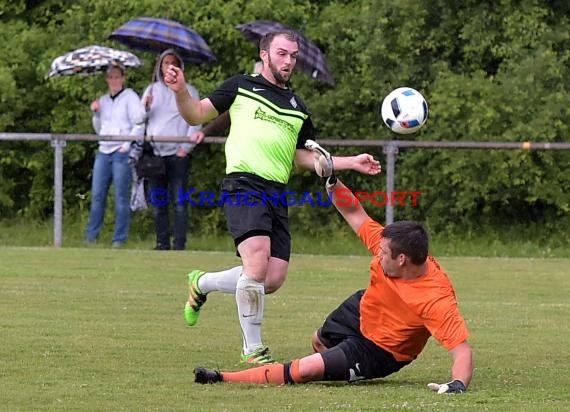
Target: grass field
[
  {"x": 536, "y": 241},
  {"x": 102, "y": 330}
]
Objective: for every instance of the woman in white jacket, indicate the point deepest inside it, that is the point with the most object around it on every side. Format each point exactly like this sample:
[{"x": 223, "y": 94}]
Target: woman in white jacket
[
  {"x": 164, "y": 119},
  {"x": 120, "y": 113}
]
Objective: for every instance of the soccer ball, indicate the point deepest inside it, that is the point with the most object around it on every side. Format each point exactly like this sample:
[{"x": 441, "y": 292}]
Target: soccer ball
[{"x": 404, "y": 110}]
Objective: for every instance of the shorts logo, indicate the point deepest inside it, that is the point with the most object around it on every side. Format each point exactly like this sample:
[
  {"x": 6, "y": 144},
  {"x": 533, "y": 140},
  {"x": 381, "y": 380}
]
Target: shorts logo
[{"x": 353, "y": 374}]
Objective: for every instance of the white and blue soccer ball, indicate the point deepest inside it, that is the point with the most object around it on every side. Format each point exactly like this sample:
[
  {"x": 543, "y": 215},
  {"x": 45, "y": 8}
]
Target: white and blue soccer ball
[{"x": 404, "y": 110}]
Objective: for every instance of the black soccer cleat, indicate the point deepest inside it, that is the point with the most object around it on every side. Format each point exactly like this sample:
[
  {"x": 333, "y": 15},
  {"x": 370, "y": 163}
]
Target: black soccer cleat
[{"x": 203, "y": 375}]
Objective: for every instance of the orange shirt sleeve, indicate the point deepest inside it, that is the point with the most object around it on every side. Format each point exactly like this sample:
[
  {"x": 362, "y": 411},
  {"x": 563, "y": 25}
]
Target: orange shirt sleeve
[
  {"x": 370, "y": 233},
  {"x": 444, "y": 321}
]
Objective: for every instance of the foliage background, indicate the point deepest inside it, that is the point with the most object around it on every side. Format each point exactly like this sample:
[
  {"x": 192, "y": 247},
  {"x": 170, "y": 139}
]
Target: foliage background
[{"x": 491, "y": 71}]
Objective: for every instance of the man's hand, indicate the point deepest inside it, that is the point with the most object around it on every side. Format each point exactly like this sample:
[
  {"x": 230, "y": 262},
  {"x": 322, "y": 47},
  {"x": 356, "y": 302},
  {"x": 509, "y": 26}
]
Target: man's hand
[
  {"x": 455, "y": 386},
  {"x": 323, "y": 163},
  {"x": 366, "y": 164}
]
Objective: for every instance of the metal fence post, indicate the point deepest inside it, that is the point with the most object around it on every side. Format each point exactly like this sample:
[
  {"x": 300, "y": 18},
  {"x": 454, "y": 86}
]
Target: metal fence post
[
  {"x": 390, "y": 150},
  {"x": 58, "y": 146}
]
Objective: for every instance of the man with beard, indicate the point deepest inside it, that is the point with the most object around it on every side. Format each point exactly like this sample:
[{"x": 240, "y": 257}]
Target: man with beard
[{"x": 269, "y": 128}]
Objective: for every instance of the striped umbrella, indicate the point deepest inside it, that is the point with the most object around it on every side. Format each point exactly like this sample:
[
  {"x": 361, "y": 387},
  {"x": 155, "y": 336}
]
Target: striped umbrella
[
  {"x": 91, "y": 60},
  {"x": 311, "y": 60},
  {"x": 156, "y": 35}
]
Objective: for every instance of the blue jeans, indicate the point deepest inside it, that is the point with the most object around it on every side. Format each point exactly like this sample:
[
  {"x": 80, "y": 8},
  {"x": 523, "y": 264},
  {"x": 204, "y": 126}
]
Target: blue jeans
[
  {"x": 174, "y": 181},
  {"x": 110, "y": 168}
]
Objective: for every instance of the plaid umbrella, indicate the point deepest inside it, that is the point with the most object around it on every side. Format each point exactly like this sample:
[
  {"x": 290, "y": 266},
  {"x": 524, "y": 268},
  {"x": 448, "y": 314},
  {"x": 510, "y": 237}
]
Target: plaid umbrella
[
  {"x": 311, "y": 59},
  {"x": 91, "y": 60},
  {"x": 156, "y": 35}
]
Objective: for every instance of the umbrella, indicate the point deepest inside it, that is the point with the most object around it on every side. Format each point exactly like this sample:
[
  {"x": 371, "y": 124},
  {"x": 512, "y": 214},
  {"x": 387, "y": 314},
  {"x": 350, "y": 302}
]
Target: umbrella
[
  {"x": 156, "y": 35},
  {"x": 311, "y": 59},
  {"x": 91, "y": 60}
]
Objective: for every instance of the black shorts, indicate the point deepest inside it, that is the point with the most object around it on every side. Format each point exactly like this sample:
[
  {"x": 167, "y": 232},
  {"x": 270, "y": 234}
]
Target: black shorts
[
  {"x": 341, "y": 330},
  {"x": 255, "y": 208}
]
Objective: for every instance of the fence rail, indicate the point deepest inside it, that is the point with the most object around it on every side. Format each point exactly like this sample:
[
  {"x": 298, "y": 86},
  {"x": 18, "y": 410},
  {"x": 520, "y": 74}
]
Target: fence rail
[{"x": 389, "y": 147}]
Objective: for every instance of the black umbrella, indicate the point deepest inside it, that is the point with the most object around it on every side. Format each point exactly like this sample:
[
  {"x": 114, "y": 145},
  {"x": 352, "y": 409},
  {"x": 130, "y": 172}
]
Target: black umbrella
[{"x": 311, "y": 59}]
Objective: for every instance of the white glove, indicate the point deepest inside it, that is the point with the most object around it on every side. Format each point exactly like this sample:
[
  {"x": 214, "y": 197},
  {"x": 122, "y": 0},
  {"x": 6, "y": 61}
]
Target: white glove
[
  {"x": 323, "y": 159},
  {"x": 455, "y": 386},
  {"x": 324, "y": 166}
]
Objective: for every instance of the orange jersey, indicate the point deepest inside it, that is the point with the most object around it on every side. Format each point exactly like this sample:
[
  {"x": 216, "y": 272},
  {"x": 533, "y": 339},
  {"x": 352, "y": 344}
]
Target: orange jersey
[{"x": 400, "y": 315}]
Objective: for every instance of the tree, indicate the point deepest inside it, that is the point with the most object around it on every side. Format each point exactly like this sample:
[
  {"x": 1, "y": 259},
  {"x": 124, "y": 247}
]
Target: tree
[{"x": 490, "y": 71}]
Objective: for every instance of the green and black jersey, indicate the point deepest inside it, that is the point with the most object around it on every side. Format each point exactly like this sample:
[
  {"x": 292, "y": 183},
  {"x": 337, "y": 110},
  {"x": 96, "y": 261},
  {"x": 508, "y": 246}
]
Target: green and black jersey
[{"x": 268, "y": 124}]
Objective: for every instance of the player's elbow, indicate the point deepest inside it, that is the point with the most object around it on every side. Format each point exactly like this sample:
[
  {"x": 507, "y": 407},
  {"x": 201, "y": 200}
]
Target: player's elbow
[
  {"x": 303, "y": 160},
  {"x": 190, "y": 118}
]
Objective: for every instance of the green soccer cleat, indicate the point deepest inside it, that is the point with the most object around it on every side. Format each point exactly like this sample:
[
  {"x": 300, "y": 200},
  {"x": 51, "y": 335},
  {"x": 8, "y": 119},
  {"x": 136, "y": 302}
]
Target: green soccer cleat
[
  {"x": 195, "y": 298},
  {"x": 260, "y": 356}
]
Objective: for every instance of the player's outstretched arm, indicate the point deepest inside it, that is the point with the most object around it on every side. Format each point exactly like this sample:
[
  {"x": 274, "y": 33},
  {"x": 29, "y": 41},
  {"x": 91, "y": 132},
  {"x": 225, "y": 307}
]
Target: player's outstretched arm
[
  {"x": 343, "y": 199},
  {"x": 461, "y": 371},
  {"x": 347, "y": 204},
  {"x": 363, "y": 163},
  {"x": 194, "y": 111}
]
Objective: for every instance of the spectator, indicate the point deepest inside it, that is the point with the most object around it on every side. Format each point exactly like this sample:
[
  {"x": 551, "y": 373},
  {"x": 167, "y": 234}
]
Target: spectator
[
  {"x": 120, "y": 113},
  {"x": 163, "y": 119}
]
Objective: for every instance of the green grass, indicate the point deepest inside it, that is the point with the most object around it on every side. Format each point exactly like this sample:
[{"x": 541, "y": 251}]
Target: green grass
[
  {"x": 506, "y": 242},
  {"x": 99, "y": 329}
]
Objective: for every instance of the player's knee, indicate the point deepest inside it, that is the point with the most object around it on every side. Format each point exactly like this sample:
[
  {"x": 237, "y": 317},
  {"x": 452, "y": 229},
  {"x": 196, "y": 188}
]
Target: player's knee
[
  {"x": 318, "y": 345},
  {"x": 271, "y": 288},
  {"x": 256, "y": 248},
  {"x": 276, "y": 275},
  {"x": 272, "y": 284}
]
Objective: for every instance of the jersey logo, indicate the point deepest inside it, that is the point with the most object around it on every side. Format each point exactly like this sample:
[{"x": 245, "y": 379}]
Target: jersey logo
[
  {"x": 261, "y": 115},
  {"x": 258, "y": 89},
  {"x": 353, "y": 374},
  {"x": 293, "y": 102}
]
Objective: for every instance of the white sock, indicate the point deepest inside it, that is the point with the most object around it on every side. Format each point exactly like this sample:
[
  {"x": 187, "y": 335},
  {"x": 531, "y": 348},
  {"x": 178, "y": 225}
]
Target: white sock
[
  {"x": 250, "y": 298},
  {"x": 224, "y": 281}
]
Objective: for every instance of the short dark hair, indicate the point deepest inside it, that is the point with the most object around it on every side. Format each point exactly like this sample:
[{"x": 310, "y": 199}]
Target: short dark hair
[
  {"x": 266, "y": 39},
  {"x": 409, "y": 238}
]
